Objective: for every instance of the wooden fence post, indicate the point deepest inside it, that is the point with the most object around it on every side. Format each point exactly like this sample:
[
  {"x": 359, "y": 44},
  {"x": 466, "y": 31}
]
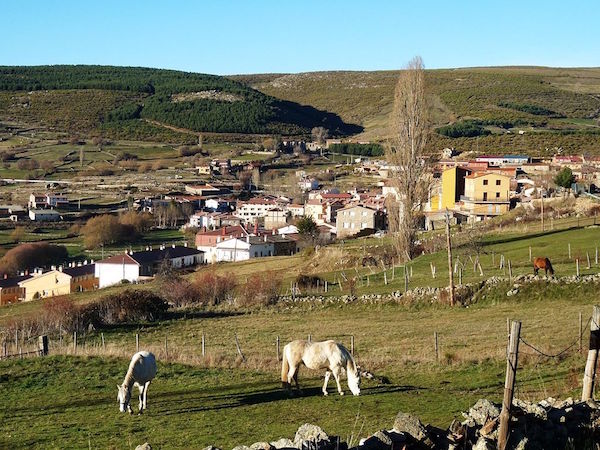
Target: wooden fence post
[
  {"x": 436, "y": 347},
  {"x": 237, "y": 346},
  {"x": 512, "y": 358},
  {"x": 277, "y": 347},
  {"x": 460, "y": 276},
  {"x": 569, "y": 250},
  {"x": 592, "y": 358},
  {"x": 326, "y": 286},
  {"x": 204, "y": 345},
  {"x": 166, "y": 346},
  {"x": 102, "y": 337},
  {"x": 352, "y": 344},
  {"x": 385, "y": 277},
  {"x": 510, "y": 274},
  {"x": 589, "y": 265},
  {"x": 577, "y": 267},
  {"x": 74, "y": 341},
  {"x": 43, "y": 345},
  {"x": 449, "y": 250},
  {"x": 309, "y": 338},
  {"x": 530, "y": 253},
  {"x": 405, "y": 279},
  {"x": 137, "y": 342},
  {"x": 580, "y": 332}
]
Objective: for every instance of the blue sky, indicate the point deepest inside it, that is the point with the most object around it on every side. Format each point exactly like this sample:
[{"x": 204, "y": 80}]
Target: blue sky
[{"x": 236, "y": 36}]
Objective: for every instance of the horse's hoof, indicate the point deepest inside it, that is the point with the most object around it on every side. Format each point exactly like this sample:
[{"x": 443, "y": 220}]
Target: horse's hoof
[
  {"x": 341, "y": 393},
  {"x": 325, "y": 393}
]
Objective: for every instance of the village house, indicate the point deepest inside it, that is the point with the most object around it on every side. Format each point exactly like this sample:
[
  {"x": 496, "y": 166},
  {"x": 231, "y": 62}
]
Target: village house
[
  {"x": 10, "y": 291},
  {"x": 45, "y": 284},
  {"x": 308, "y": 184},
  {"x": 295, "y": 210},
  {"x": 137, "y": 266},
  {"x": 44, "y": 215},
  {"x": 498, "y": 161},
  {"x": 49, "y": 200},
  {"x": 354, "y": 218},
  {"x": 255, "y": 208},
  {"x": 275, "y": 218},
  {"x": 486, "y": 194},
  {"x": 241, "y": 249}
]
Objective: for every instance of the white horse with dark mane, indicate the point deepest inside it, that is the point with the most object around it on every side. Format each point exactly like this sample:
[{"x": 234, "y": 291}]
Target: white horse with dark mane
[
  {"x": 328, "y": 355},
  {"x": 142, "y": 370}
]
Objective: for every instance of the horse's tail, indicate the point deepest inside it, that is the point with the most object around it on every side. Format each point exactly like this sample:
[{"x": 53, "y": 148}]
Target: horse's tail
[
  {"x": 550, "y": 268},
  {"x": 285, "y": 368}
]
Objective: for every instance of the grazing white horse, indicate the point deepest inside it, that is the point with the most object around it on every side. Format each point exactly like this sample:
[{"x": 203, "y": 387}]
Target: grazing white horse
[
  {"x": 142, "y": 369},
  {"x": 328, "y": 355}
]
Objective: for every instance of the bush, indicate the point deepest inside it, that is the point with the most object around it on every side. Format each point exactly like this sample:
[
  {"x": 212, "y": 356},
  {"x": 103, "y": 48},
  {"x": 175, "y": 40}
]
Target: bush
[
  {"x": 260, "y": 289},
  {"x": 309, "y": 281},
  {"x": 60, "y": 313},
  {"x": 357, "y": 149},
  {"x": 463, "y": 129},
  {"x": 180, "y": 292},
  {"x": 127, "y": 306},
  {"x": 29, "y": 255},
  {"x": 215, "y": 289},
  {"x": 189, "y": 151}
]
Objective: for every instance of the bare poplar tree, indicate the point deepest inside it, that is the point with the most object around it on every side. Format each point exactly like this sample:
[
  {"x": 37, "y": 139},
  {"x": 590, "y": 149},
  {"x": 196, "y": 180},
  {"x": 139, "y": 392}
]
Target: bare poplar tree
[{"x": 409, "y": 126}]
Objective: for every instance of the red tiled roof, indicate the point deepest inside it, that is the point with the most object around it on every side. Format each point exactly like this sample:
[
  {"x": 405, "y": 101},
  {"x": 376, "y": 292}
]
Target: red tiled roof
[{"x": 119, "y": 259}]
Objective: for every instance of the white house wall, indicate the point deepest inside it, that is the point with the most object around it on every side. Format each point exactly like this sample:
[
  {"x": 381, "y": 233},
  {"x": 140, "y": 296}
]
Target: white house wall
[{"x": 109, "y": 274}]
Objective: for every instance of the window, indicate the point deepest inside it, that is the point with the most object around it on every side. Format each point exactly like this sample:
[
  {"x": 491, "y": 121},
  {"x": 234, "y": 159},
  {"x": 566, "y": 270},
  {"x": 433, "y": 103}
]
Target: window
[
  {"x": 497, "y": 194},
  {"x": 485, "y": 182},
  {"x": 497, "y": 182},
  {"x": 485, "y": 196}
]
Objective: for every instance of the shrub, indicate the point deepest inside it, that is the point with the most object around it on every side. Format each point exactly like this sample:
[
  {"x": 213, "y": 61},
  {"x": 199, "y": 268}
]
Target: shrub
[
  {"x": 357, "y": 149},
  {"x": 129, "y": 305},
  {"x": 260, "y": 289},
  {"x": 189, "y": 151},
  {"x": 180, "y": 292},
  {"x": 463, "y": 129},
  {"x": 60, "y": 313},
  {"x": 36, "y": 254},
  {"x": 309, "y": 281},
  {"x": 215, "y": 289}
]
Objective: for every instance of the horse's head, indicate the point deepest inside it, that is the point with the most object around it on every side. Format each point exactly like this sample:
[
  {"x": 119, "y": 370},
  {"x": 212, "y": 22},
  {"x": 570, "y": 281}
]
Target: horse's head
[
  {"x": 354, "y": 381},
  {"x": 124, "y": 397}
]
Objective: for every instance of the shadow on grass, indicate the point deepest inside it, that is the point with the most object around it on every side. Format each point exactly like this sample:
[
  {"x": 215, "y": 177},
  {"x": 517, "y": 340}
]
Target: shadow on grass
[
  {"x": 528, "y": 236},
  {"x": 226, "y": 401}
]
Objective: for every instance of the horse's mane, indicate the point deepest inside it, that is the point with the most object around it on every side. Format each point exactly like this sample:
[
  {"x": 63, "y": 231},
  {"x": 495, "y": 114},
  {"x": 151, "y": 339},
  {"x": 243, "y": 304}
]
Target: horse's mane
[
  {"x": 129, "y": 377},
  {"x": 348, "y": 358}
]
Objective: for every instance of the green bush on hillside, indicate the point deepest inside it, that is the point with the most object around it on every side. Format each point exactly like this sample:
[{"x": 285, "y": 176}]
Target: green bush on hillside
[
  {"x": 463, "y": 129},
  {"x": 357, "y": 149}
]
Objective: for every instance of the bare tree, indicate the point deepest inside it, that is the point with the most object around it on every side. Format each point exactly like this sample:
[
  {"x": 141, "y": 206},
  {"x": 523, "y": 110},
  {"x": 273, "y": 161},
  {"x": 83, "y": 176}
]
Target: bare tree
[{"x": 409, "y": 126}]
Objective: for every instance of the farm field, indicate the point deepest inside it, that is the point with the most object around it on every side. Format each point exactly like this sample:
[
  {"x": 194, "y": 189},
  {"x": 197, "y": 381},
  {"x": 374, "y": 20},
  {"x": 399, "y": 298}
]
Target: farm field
[
  {"x": 220, "y": 399},
  {"x": 226, "y": 402}
]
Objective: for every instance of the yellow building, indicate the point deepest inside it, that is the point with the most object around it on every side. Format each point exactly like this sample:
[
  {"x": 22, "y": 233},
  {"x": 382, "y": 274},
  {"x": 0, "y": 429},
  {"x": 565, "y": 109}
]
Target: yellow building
[
  {"x": 453, "y": 186},
  {"x": 486, "y": 194},
  {"x": 46, "y": 284}
]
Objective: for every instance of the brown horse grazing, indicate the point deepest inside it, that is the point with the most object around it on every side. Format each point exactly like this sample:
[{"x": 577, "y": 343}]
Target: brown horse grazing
[{"x": 542, "y": 263}]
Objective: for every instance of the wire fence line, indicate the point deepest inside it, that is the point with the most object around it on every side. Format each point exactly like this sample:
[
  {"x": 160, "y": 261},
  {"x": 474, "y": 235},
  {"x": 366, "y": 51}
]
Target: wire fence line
[{"x": 562, "y": 352}]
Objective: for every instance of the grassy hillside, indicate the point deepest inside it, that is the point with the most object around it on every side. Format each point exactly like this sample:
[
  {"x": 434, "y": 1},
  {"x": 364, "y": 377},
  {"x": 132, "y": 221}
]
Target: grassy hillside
[
  {"x": 555, "y": 107},
  {"x": 86, "y": 98}
]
